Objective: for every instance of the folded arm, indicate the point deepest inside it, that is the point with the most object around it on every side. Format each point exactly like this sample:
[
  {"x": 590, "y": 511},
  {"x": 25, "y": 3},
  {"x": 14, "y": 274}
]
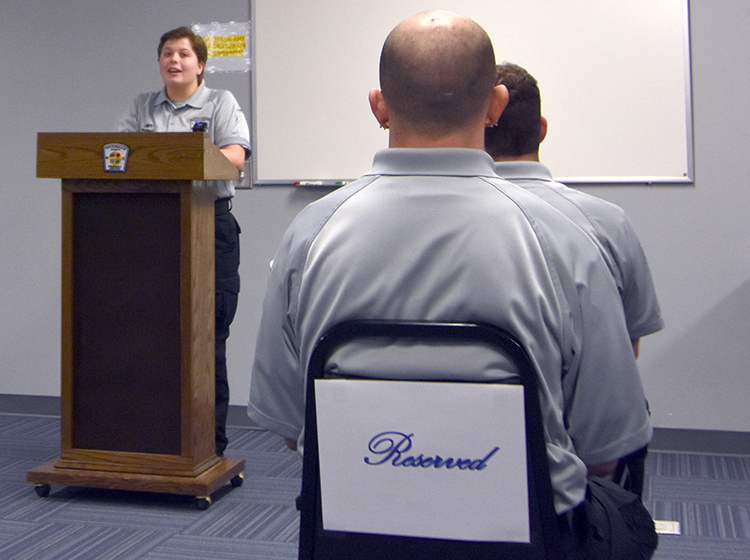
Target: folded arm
[{"x": 236, "y": 154}]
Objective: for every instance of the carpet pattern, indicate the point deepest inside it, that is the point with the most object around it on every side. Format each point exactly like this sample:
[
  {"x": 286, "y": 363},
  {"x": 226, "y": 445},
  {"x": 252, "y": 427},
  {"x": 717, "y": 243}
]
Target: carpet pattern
[
  {"x": 709, "y": 495},
  {"x": 258, "y": 520}
]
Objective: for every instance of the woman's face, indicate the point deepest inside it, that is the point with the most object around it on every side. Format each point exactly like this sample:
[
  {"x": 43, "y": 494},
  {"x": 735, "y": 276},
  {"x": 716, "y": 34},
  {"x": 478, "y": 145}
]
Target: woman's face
[{"x": 178, "y": 64}]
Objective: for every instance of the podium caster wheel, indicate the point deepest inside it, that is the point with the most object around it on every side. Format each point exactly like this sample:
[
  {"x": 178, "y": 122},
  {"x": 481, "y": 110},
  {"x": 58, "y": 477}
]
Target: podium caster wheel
[
  {"x": 42, "y": 490},
  {"x": 202, "y": 502},
  {"x": 237, "y": 480}
]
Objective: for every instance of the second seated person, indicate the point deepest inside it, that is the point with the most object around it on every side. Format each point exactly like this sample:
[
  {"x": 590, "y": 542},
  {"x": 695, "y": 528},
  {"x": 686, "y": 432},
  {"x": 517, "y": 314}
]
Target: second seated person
[
  {"x": 183, "y": 105},
  {"x": 514, "y": 142}
]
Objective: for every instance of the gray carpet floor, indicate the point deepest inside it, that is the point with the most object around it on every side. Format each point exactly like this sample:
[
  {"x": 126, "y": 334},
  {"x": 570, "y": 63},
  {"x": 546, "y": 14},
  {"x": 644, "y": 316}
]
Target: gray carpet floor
[
  {"x": 709, "y": 495},
  {"x": 257, "y": 520}
]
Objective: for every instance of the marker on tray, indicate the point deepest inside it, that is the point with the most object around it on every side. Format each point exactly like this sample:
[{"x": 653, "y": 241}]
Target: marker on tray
[{"x": 319, "y": 183}]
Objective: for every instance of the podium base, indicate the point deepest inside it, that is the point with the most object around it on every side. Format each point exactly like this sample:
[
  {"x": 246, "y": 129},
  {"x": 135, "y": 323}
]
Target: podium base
[{"x": 225, "y": 471}]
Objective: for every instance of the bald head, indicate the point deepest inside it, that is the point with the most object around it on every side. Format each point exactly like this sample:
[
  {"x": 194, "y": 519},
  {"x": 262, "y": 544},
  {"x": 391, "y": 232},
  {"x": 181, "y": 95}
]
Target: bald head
[{"x": 437, "y": 72}]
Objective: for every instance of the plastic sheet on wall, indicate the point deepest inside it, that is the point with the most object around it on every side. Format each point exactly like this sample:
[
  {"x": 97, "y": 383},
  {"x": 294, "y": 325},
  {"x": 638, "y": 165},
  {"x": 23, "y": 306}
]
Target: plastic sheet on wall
[{"x": 228, "y": 45}]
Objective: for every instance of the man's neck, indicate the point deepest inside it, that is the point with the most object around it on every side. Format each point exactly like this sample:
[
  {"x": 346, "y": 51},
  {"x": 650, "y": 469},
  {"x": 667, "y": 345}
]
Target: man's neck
[{"x": 460, "y": 139}]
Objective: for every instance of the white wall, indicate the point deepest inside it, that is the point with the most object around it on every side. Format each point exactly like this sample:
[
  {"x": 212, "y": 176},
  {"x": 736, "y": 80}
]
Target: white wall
[
  {"x": 71, "y": 69},
  {"x": 696, "y": 372}
]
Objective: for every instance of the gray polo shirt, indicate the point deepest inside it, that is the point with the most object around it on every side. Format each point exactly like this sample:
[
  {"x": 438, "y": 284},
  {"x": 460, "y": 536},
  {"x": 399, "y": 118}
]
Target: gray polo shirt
[
  {"x": 436, "y": 235},
  {"x": 155, "y": 112},
  {"x": 610, "y": 229}
]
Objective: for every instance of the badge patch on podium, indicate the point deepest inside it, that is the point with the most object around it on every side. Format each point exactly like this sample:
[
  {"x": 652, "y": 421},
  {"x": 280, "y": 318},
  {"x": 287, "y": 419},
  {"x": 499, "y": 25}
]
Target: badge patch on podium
[{"x": 115, "y": 158}]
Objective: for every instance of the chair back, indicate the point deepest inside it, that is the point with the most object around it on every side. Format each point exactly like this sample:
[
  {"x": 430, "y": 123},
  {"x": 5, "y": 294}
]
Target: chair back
[{"x": 419, "y": 462}]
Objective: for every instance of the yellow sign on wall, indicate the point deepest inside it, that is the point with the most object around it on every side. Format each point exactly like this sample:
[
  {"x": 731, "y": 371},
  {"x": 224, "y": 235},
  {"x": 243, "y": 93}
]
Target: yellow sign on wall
[{"x": 228, "y": 45}]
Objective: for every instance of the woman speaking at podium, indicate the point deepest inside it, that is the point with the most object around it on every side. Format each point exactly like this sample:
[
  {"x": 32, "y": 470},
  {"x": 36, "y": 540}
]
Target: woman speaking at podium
[{"x": 185, "y": 104}]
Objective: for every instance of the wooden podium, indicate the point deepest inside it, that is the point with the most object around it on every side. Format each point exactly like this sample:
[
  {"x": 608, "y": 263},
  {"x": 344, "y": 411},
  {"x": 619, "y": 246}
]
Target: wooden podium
[{"x": 137, "y": 312}]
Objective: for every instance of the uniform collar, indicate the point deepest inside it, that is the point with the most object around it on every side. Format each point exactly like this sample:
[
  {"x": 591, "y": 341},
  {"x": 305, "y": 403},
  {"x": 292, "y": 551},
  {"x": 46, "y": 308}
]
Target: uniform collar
[
  {"x": 511, "y": 170},
  {"x": 433, "y": 161},
  {"x": 196, "y": 101}
]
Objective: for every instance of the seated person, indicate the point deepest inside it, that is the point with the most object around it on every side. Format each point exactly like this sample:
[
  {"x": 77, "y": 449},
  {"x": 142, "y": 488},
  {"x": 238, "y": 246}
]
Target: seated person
[
  {"x": 513, "y": 142},
  {"x": 431, "y": 233}
]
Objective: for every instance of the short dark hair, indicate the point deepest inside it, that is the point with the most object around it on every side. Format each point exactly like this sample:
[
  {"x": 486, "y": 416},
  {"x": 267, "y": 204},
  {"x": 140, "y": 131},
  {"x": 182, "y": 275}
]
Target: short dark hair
[
  {"x": 437, "y": 85},
  {"x": 199, "y": 45},
  {"x": 517, "y": 131}
]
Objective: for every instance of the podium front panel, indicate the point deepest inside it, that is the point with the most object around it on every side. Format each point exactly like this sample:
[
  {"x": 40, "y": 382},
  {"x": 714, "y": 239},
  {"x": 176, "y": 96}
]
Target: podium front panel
[
  {"x": 126, "y": 341},
  {"x": 137, "y": 336}
]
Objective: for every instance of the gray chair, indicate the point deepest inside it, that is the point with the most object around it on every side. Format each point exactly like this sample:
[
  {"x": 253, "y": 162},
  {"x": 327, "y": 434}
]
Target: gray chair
[{"x": 320, "y": 543}]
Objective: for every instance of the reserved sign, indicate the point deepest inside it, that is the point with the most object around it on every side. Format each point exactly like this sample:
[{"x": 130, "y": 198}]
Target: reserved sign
[{"x": 436, "y": 460}]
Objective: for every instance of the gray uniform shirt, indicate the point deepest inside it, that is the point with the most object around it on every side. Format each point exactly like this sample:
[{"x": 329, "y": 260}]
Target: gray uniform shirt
[
  {"x": 611, "y": 230},
  {"x": 155, "y": 112},
  {"x": 436, "y": 235}
]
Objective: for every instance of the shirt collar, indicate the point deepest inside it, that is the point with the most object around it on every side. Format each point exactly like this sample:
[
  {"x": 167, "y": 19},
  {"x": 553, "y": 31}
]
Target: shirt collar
[
  {"x": 196, "y": 101},
  {"x": 513, "y": 170},
  {"x": 433, "y": 161}
]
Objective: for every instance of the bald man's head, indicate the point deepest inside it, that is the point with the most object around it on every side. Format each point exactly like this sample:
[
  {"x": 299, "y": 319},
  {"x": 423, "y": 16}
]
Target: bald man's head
[{"x": 437, "y": 71}]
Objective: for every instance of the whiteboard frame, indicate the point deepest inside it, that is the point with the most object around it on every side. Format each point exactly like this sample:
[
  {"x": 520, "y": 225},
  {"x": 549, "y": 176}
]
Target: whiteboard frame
[
  {"x": 651, "y": 180},
  {"x": 687, "y": 180}
]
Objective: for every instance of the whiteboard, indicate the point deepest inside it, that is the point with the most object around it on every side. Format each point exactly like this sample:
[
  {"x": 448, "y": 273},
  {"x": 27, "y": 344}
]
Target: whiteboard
[{"x": 614, "y": 77}]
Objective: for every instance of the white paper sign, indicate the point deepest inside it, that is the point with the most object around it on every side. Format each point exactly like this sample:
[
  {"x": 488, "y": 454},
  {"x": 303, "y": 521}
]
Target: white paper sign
[{"x": 437, "y": 460}]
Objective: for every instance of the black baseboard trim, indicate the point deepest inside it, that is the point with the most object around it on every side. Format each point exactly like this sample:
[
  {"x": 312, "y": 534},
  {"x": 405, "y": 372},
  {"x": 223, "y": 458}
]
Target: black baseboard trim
[
  {"x": 665, "y": 439},
  {"x": 237, "y": 417},
  {"x": 31, "y": 405},
  {"x": 34, "y": 405},
  {"x": 701, "y": 441}
]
